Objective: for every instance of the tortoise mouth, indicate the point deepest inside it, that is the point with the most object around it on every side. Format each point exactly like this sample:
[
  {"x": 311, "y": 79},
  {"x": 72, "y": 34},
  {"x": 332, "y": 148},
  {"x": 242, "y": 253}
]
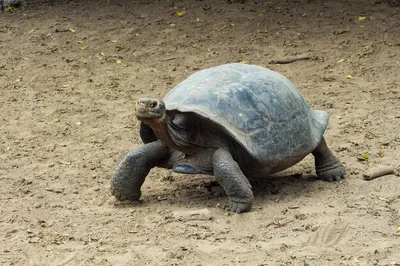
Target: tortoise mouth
[{"x": 149, "y": 109}]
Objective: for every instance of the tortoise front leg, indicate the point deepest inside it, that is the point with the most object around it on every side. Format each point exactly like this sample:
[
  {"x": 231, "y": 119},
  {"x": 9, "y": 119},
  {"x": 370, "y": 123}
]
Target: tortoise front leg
[
  {"x": 233, "y": 181},
  {"x": 133, "y": 169}
]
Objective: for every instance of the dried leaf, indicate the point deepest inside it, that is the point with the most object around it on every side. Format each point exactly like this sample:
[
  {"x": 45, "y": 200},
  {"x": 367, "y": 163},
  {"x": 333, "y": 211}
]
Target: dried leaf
[
  {"x": 349, "y": 76},
  {"x": 232, "y": 24},
  {"x": 31, "y": 30},
  {"x": 84, "y": 47},
  {"x": 363, "y": 157},
  {"x": 72, "y": 30},
  {"x": 118, "y": 61},
  {"x": 381, "y": 153},
  {"x": 180, "y": 13},
  {"x": 361, "y": 18},
  {"x": 341, "y": 60}
]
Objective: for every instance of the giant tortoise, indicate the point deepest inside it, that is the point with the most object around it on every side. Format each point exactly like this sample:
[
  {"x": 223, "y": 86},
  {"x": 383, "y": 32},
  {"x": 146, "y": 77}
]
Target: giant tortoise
[{"x": 233, "y": 121}]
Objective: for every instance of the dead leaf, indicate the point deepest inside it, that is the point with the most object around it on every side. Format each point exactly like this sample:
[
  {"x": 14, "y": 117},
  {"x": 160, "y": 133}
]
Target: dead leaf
[
  {"x": 180, "y": 13},
  {"x": 363, "y": 157},
  {"x": 84, "y": 47}
]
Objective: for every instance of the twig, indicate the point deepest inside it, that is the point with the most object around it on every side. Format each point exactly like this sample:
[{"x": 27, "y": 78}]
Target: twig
[
  {"x": 203, "y": 214},
  {"x": 291, "y": 60},
  {"x": 62, "y": 30},
  {"x": 378, "y": 172}
]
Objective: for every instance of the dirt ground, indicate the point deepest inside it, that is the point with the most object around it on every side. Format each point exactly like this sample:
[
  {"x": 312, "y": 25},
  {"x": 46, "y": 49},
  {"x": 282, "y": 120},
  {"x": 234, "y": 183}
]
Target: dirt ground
[{"x": 70, "y": 72}]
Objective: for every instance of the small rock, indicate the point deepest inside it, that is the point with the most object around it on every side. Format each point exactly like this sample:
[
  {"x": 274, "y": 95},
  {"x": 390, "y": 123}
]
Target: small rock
[
  {"x": 37, "y": 205},
  {"x": 25, "y": 190},
  {"x": 9, "y": 233},
  {"x": 34, "y": 240},
  {"x": 356, "y": 172},
  {"x": 203, "y": 214},
  {"x": 161, "y": 198}
]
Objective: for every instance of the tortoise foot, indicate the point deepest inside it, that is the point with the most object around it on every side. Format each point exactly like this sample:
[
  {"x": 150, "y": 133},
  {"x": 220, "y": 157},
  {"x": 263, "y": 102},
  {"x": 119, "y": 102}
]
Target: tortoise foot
[
  {"x": 239, "y": 207},
  {"x": 331, "y": 171},
  {"x": 327, "y": 166},
  {"x": 122, "y": 194}
]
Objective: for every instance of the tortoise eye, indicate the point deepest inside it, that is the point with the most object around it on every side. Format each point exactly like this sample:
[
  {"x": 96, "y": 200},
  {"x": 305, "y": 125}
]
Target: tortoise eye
[{"x": 153, "y": 104}]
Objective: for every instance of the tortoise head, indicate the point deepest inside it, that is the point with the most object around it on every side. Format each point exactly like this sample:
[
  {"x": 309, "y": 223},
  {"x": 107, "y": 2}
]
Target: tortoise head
[{"x": 151, "y": 110}]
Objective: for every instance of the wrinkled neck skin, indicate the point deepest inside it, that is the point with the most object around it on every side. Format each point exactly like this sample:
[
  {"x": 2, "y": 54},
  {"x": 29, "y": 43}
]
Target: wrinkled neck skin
[
  {"x": 167, "y": 133},
  {"x": 193, "y": 136}
]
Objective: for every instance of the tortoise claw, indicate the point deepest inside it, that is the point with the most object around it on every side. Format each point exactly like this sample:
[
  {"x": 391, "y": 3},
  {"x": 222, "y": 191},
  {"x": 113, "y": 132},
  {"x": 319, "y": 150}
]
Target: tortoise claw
[
  {"x": 239, "y": 207},
  {"x": 332, "y": 173}
]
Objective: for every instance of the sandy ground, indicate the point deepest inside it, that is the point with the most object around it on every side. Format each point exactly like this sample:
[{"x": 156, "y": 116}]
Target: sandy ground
[{"x": 70, "y": 72}]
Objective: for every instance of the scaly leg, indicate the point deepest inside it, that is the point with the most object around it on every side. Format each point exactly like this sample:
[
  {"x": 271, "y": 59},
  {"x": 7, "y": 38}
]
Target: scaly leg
[
  {"x": 133, "y": 169},
  {"x": 327, "y": 166},
  {"x": 233, "y": 181}
]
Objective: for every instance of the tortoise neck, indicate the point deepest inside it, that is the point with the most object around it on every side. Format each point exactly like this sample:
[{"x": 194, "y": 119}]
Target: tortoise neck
[{"x": 160, "y": 128}]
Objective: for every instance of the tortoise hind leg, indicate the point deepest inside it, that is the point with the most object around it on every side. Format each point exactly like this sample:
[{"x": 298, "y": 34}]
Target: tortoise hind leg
[{"x": 327, "y": 166}]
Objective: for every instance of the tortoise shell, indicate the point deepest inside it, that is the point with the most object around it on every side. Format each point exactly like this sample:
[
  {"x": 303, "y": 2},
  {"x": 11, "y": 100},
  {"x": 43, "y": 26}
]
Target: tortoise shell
[{"x": 259, "y": 108}]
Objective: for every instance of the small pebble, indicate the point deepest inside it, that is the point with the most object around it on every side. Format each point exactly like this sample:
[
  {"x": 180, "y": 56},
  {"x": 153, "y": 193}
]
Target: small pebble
[{"x": 161, "y": 198}]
